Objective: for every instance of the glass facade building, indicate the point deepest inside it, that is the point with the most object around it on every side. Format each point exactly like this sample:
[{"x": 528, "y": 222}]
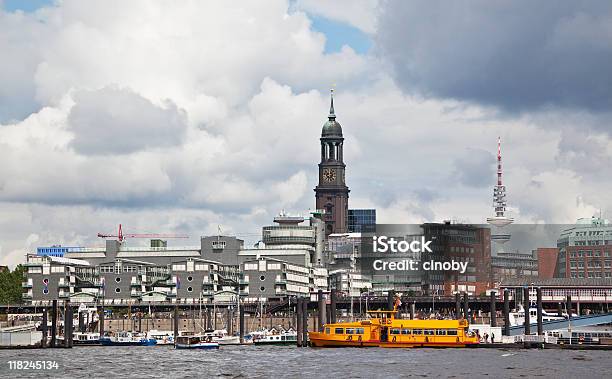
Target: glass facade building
[{"x": 357, "y": 218}]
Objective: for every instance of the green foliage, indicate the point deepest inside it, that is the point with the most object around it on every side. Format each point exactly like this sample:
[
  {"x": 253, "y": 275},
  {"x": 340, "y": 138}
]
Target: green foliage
[{"x": 10, "y": 285}]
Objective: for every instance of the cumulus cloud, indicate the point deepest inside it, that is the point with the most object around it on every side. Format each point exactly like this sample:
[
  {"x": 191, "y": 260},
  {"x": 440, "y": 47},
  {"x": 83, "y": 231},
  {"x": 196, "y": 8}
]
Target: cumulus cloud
[
  {"x": 515, "y": 55},
  {"x": 119, "y": 121}
]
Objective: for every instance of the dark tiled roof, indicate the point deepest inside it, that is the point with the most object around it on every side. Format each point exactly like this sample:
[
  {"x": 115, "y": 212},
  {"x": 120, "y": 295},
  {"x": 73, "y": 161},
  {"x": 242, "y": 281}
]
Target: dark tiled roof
[{"x": 557, "y": 282}]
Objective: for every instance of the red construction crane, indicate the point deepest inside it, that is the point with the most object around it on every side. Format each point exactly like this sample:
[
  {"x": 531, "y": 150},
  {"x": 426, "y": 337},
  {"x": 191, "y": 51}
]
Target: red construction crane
[{"x": 120, "y": 236}]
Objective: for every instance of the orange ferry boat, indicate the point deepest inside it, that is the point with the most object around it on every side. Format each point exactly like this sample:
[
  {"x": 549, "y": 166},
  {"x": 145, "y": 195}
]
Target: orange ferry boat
[{"x": 382, "y": 329}]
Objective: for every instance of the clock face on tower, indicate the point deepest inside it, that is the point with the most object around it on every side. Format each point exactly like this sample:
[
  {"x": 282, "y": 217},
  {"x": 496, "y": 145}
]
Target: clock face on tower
[{"x": 329, "y": 175}]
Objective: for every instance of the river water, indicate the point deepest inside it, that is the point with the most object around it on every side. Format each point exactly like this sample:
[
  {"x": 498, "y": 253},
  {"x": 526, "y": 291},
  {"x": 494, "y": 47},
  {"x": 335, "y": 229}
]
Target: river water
[{"x": 291, "y": 362}]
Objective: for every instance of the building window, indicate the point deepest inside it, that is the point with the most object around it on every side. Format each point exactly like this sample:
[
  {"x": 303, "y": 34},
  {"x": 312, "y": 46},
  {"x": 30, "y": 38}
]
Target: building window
[
  {"x": 262, "y": 278},
  {"x": 218, "y": 245},
  {"x": 46, "y": 281},
  {"x": 262, "y": 288},
  {"x": 117, "y": 290},
  {"x": 250, "y": 267},
  {"x": 118, "y": 279},
  {"x": 45, "y": 290},
  {"x": 189, "y": 289},
  {"x": 190, "y": 278}
]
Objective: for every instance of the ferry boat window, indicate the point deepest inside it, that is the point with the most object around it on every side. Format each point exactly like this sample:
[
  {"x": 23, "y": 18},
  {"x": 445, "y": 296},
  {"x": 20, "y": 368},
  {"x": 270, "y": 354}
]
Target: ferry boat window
[
  {"x": 441, "y": 332},
  {"x": 451, "y": 332},
  {"x": 350, "y": 331},
  {"x": 428, "y": 332},
  {"x": 359, "y": 331},
  {"x": 339, "y": 331},
  {"x": 406, "y": 331},
  {"x": 326, "y": 330},
  {"x": 395, "y": 331},
  {"x": 417, "y": 331}
]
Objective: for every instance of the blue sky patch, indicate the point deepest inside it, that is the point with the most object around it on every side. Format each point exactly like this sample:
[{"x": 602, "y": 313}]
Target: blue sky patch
[
  {"x": 24, "y": 5},
  {"x": 339, "y": 34}
]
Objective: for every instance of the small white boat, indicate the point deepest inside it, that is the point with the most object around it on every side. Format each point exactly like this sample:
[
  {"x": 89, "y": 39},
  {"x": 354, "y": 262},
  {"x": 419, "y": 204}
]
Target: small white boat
[
  {"x": 518, "y": 318},
  {"x": 163, "y": 337},
  {"x": 197, "y": 341},
  {"x": 88, "y": 338},
  {"x": 274, "y": 337},
  {"x": 222, "y": 337},
  {"x": 127, "y": 339}
]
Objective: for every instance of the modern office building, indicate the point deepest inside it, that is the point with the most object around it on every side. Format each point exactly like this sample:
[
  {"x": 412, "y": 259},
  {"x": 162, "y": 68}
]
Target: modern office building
[
  {"x": 288, "y": 262},
  {"x": 361, "y": 220},
  {"x": 461, "y": 243},
  {"x": 121, "y": 274},
  {"x": 506, "y": 265},
  {"x": 585, "y": 250}
]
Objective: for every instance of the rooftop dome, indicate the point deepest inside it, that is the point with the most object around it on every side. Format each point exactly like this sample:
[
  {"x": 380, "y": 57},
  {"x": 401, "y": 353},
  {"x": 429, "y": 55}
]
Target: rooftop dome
[{"x": 331, "y": 128}]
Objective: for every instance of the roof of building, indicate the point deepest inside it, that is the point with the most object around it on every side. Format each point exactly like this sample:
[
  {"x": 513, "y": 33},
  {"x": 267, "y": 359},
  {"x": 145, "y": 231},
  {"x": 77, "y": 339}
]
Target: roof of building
[{"x": 557, "y": 282}]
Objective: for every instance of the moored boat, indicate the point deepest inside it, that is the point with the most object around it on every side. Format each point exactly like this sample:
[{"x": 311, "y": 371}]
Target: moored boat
[
  {"x": 382, "y": 329},
  {"x": 285, "y": 337},
  {"x": 222, "y": 337},
  {"x": 162, "y": 337},
  {"x": 127, "y": 339},
  {"x": 197, "y": 341},
  {"x": 87, "y": 338}
]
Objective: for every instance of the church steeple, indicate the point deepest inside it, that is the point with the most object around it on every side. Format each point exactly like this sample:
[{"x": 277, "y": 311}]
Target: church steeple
[{"x": 331, "y": 192}]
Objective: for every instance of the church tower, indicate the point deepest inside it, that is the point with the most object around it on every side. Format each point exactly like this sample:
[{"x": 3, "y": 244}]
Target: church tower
[{"x": 332, "y": 193}]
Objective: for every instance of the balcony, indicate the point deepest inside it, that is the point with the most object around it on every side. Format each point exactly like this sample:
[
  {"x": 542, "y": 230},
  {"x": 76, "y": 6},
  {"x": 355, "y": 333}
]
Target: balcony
[
  {"x": 63, "y": 285},
  {"x": 26, "y": 284},
  {"x": 280, "y": 281},
  {"x": 26, "y": 295},
  {"x": 136, "y": 293},
  {"x": 137, "y": 283}
]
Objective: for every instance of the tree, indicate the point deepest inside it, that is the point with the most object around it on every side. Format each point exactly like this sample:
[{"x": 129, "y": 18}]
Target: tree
[{"x": 10, "y": 285}]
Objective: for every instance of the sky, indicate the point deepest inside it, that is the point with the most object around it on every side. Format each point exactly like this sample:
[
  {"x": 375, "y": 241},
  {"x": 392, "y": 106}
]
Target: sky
[{"x": 191, "y": 116}]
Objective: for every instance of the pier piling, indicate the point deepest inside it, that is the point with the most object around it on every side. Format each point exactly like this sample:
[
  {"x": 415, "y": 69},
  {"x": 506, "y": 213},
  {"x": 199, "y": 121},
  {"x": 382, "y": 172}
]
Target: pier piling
[
  {"x": 229, "y": 320},
  {"x": 54, "y": 324},
  {"x": 526, "y": 307},
  {"x": 492, "y": 309},
  {"x": 539, "y": 302},
  {"x": 506, "y": 312},
  {"x": 101, "y": 321},
  {"x": 332, "y": 306},
  {"x": 305, "y": 323},
  {"x": 241, "y": 317},
  {"x": 176, "y": 323},
  {"x": 412, "y": 310},
  {"x": 81, "y": 322},
  {"x": 457, "y": 306},
  {"x": 568, "y": 306},
  {"x": 559, "y": 309},
  {"x": 300, "y": 321},
  {"x": 67, "y": 323},
  {"x": 466, "y": 306},
  {"x": 321, "y": 310},
  {"x": 44, "y": 328},
  {"x": 390, "y": 296}
]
